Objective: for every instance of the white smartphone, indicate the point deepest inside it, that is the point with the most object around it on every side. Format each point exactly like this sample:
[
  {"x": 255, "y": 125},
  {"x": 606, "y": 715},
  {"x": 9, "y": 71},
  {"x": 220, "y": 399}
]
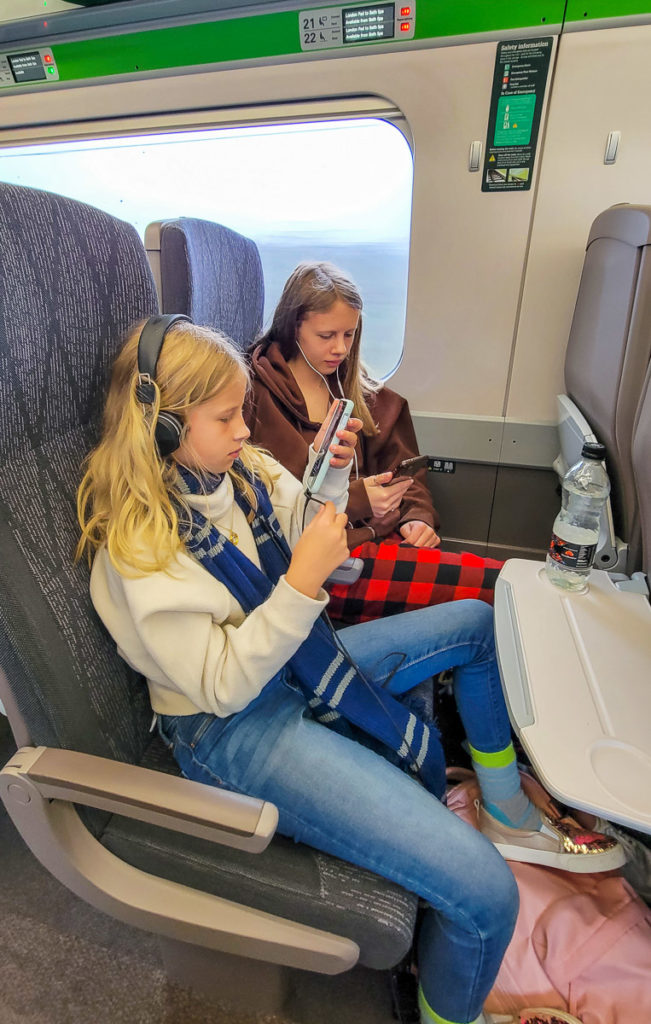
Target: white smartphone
[{"x": 339, "y": 416}]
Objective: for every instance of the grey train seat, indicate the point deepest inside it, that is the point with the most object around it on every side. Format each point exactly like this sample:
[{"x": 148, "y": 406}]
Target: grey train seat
[
  {"x": 576, "y": 669},
  {"x": 641, "y": 449},
  {"x": 608, "y": 351},
  {"x": 210, "y": 273},
  {"x": 183, "y": 860}
]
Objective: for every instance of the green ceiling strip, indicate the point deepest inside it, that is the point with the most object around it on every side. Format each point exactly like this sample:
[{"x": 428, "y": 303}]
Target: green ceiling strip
[
  {"x": 266, "y": 35},
  {"x": 273, "y": 35},
  {"x": 591, "y": 10},
  {"x": 451, "y": 18}
]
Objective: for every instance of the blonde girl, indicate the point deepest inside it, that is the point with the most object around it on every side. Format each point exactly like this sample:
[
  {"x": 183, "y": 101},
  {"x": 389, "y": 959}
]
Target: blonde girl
[{"x": 212, "y": 590}]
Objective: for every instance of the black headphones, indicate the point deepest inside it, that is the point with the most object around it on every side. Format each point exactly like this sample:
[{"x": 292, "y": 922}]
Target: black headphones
[{"x": 169, "y": 427}]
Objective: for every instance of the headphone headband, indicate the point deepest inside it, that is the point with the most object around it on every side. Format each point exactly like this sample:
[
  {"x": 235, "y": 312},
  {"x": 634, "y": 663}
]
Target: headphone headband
[
  {"x": 150, "y": 344},
  {"x": 169, "y": 427}
]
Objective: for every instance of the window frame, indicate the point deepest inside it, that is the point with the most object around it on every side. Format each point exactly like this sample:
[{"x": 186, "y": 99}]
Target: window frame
[{"x": 349, "y": 108}]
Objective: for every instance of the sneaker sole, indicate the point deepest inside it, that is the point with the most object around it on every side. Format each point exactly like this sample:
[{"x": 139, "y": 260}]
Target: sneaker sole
[
  {"x": 530, "y": 1013},
  {"x": 577, "y": 863},
  {"x": 537, "y": 1011}
]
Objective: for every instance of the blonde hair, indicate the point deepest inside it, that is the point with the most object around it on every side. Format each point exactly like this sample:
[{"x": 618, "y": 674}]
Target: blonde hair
[
  {"x": 128, "y": 499},
  {"x": 314, "y": 288}
]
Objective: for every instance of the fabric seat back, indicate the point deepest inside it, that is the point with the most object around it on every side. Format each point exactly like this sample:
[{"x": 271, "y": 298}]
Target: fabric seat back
[
  {"x": 72, "y": 281},
  {"x": 213, "y": 275},
  {"x": 609, "y": 347},
  {"x": 642, "y": 469}
]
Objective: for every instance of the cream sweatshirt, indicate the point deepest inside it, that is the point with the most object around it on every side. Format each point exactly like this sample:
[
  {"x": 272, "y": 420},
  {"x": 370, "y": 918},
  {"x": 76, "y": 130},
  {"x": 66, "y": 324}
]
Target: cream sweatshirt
[{"x": 184, "y": 631}]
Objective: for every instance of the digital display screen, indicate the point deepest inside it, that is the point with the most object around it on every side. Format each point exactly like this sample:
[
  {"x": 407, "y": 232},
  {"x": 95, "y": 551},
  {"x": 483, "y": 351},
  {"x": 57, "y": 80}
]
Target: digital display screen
[
  {"x": 27, "y": 67},
  {"x": 363, "y": 23}
]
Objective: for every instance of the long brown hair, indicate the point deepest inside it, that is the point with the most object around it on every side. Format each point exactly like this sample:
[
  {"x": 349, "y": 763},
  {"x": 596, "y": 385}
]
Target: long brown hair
[{"x": 314, "y": 288}]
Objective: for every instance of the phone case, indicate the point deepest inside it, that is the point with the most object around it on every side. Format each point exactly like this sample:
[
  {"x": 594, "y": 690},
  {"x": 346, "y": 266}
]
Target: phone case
[
  {"x": 322, "y": 462},
  {"x": 407, "y": 468},
  {"x": 348, "y": 572}
]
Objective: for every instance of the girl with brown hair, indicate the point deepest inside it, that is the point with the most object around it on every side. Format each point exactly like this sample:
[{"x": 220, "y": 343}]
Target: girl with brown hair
[{"x": 310, "y": 355}]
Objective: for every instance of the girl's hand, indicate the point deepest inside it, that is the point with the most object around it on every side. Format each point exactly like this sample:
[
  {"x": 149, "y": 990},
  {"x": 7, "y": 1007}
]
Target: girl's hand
[
  {"x": 320, "y": 549},
  {"x": 420, "y": 534},
  {"x": 342, "y": 452},
  {"x": 383, "y": 496}
]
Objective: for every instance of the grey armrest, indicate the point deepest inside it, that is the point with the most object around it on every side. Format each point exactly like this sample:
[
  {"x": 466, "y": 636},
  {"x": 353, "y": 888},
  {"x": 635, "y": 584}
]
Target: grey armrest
[
  {"x": 167, "y": 800},
  {"x": 39, "y": 787}
]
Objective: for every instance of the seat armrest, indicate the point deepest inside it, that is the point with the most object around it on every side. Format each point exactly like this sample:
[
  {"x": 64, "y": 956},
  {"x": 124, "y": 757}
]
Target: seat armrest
[
  {"x": 39, "y": 787},
  {"x": 166, "y": 800}
]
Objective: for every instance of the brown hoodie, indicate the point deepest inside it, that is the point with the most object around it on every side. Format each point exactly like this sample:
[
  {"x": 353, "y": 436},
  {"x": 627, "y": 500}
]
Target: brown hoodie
[{"x": 278, "y": 419}]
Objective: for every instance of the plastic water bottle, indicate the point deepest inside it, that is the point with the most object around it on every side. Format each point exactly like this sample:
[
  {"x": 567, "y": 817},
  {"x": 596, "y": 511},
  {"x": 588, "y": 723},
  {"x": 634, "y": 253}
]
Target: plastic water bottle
[{"x": 576, "y": 528}]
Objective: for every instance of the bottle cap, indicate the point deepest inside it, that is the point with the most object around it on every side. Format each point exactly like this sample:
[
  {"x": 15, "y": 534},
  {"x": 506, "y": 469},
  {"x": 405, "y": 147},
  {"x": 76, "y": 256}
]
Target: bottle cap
[{"x": 593, "y": 450}]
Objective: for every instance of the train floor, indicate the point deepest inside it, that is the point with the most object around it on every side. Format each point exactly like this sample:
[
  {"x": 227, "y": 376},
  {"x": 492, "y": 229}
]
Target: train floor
[{"x": 64, "y": 962}]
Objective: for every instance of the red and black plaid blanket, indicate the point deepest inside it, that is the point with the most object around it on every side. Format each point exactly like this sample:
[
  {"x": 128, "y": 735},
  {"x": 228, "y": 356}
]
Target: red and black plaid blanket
[{"x": 398, "y": 577}]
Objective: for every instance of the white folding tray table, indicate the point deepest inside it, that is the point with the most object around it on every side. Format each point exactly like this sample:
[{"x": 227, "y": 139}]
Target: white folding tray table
[{"x": 576, "y": 673}]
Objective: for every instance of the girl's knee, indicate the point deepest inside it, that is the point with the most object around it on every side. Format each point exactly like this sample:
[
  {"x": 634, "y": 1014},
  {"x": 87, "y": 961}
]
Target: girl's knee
[
  {"x": 483, "y": 887},
  {"x": 500, "y": 897},
  {"x": 474, "y": 613},
  {"x": 485, "y": 902},
  {"x": 510, "y": 892},
  {"x": 483, "y": 616}
]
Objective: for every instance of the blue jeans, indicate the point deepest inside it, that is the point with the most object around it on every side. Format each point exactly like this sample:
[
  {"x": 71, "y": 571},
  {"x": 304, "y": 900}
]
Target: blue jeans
[{"x": 341, "y": 797}]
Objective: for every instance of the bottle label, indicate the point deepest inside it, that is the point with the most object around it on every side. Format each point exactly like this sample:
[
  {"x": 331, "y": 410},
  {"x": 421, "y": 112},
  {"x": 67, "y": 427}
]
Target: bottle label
[{"x": 574, "y": 556}]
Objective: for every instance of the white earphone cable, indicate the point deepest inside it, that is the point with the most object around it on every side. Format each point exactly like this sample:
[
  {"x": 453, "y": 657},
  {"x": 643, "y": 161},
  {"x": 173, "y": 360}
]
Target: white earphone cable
[{"x": 341, "y": 392}]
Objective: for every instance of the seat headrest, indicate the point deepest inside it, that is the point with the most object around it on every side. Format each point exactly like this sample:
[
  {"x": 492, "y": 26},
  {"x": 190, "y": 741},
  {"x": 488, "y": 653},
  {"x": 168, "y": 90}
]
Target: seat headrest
[
  {"x": 73, "y": 279},
  {"x": 213, "y": 275}
]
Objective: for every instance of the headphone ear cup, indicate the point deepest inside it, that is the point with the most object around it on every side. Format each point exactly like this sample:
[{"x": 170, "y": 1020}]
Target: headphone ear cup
[{"x": 169, "y": 432}]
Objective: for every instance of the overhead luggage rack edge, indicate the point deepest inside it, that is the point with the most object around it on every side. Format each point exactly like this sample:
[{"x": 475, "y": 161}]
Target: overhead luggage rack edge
[{"x": 227, "y": 38}]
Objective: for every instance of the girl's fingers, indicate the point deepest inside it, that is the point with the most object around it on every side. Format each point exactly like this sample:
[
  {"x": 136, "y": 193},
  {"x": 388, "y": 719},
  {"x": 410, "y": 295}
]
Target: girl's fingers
[
  {"x": 396, "y": 491},
  {"x": 341, "y": 453},
  {"x": 347, "y": 437}
]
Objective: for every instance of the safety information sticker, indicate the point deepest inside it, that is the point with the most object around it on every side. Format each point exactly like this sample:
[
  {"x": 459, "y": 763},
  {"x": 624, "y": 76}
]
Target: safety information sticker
[{"x": 519, "y": 82}]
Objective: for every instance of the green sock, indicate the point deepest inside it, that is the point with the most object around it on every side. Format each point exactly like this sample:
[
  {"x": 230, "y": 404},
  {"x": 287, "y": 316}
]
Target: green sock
[
  {"x": 501, "y": 791},
  {"x": 430, "y": 1016}
]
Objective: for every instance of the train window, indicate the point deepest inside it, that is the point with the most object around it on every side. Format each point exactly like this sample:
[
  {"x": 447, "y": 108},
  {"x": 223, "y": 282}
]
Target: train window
[{"x": 336, "y": 190}]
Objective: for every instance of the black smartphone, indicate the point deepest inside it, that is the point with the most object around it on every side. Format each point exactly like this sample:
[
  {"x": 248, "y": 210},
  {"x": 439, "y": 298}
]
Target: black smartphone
[{"x": 408, "y": 467}]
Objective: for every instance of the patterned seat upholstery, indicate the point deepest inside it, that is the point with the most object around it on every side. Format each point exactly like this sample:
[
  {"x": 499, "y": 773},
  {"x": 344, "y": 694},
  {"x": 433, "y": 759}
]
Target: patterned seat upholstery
[
  {"x": 72, "y": 281},
  {"x": 213, "y": 275}
]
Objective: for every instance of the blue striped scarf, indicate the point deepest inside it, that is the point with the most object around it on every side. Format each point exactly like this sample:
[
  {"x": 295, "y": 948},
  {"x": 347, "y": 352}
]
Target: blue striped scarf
[{"x": 333, "y": 688}]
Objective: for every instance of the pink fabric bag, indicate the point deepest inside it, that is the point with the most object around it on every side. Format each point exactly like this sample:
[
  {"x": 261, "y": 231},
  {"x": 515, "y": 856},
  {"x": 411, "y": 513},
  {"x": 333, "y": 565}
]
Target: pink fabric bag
[{"x": 582, "y": 942}]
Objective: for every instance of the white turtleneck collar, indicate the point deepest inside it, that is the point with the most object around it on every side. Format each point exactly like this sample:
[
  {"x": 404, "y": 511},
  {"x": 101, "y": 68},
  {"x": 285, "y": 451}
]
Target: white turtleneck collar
[{"x": 221, "y": 509}]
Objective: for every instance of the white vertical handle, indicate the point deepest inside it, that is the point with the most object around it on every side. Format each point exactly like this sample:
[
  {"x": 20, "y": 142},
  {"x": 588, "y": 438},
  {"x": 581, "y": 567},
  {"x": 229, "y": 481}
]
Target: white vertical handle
[
  {"x": 474, "y": 156},
  {"x": 612, "y": 145}
]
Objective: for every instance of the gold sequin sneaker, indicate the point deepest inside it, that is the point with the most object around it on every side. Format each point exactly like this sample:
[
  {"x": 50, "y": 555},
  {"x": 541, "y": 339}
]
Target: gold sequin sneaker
[{"x": 560, "y": 843}]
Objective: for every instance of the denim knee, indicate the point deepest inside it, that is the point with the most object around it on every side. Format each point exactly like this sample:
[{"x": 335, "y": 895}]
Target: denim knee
[
  {"x": 498, "y": 899},
  {"x": 483, "y": 618}
]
